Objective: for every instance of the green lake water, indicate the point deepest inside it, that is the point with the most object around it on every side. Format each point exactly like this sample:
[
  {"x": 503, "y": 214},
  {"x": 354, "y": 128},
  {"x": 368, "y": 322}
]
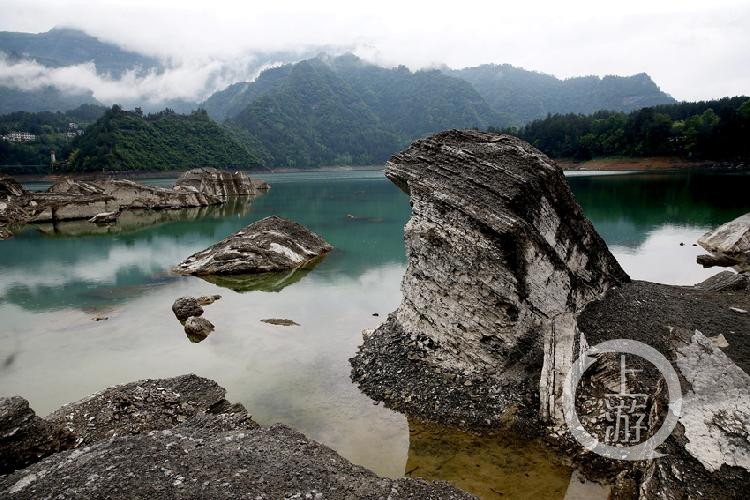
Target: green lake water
[{"x": 55, "y": 280}]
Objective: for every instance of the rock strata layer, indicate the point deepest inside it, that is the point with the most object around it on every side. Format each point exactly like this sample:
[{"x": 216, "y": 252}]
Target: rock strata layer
[
  {"x": 179, "y": 438},
  {"x": 215, "y": 182},
  {"x": 272, "y": 244}
]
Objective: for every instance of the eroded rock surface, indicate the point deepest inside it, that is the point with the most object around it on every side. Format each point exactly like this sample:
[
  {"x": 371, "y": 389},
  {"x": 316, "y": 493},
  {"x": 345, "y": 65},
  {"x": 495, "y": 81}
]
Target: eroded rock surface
[
  {"x": 501, "y": 259},
  {"x": 216, "y": 182},
  {"x": 729, "y": 245},
  {"x": 184, "y": 307},
  {"x": 203, "y": 447},
  {"x": 270, "y": 245}
]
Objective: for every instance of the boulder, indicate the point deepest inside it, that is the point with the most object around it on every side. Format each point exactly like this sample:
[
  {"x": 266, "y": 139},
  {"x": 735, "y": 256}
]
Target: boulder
[
  {"x": 206, "y": 300},
  {"x": 270, "y": 245},
  {"x": 215, "y": 182},
  {"x": 501, "y": 259},
  {"x": 198, "y": 329},
  {"x": 9, "y": 187},
  {"x": 729, "y": 245},
  {"x": 179, "y": 438},
  {"x": 26, "y": 438},
  {"x": 74, "y": 186},
  {"x": 184, "y": 307}
]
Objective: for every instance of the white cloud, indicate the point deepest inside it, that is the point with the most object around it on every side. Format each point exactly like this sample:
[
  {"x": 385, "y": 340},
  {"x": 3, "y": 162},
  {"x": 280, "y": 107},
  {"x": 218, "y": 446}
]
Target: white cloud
[{"x": 693, "y": 49}]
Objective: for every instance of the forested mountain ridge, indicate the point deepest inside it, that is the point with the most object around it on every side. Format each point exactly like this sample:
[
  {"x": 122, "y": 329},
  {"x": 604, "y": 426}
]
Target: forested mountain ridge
[
  {"x": 130, "y": 140},
  {"x": 709, "y": 130},
  {"x": 520, "y": 96},
  {"x": 344, "y": 111}
]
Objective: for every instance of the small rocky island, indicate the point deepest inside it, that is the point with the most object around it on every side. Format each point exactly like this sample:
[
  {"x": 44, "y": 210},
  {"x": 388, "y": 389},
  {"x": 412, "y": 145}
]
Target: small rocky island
[
  {"x": 269, "y": 245},
  {"x": 103, "y": 200}
]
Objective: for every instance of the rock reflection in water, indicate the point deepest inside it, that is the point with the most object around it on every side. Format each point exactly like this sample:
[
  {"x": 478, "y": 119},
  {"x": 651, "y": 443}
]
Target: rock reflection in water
[
  {"x": 263, "y": 282},
  {"x": 497, "y": 466},
  {"x": 132, "y": 221}
]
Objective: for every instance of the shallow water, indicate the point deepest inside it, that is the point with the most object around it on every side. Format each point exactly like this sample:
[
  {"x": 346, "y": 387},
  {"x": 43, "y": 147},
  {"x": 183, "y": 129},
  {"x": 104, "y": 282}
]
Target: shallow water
[{"x": 55, "y": 279}]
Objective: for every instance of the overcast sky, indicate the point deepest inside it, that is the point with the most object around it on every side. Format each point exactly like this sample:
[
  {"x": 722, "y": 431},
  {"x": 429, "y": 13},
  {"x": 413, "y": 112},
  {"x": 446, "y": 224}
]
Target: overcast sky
[{"x": 693, "y": 49}]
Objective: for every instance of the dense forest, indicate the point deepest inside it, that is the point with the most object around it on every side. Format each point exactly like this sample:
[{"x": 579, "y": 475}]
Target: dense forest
[
  {"x": 53, "y": 131},
  {"x": 714, "y": 130},
  {"x": 328, "y": 111},
  {"x": 130, "y": 140}
]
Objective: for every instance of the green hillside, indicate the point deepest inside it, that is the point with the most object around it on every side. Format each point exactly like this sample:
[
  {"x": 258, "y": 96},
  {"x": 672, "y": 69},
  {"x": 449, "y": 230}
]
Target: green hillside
[{"x": 129, "y": 140}]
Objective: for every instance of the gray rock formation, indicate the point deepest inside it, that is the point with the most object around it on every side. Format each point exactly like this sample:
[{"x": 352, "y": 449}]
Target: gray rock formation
[
  {"x": 501, "y": 259},
  {"x": 270, "y": 245},
  {"x": 178, "y": 438},
  {"x": 105, "y": 218},
  {"x": 729, "y": 245},
  {"x": 184, "y": 307},
  {"x": 215, "y": 182},
  {"x": 9, "y": 187},
  {"x": 26, "y": 438}
]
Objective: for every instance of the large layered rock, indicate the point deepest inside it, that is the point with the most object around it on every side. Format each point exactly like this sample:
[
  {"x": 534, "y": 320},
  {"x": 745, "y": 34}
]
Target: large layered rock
[
  {"x": 179, "y": 438},
  {"x": 270, "y": 245},
  {"x": 215, "y": 182},
  {"x": 9, "y": 187},
  {"x": 729, "y": 245},
  {"x": 501, "y": 259}
]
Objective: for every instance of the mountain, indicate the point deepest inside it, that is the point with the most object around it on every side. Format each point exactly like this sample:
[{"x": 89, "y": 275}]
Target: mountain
[
  {"x": 128, "y": 140},
  {"x": 520, "y": 96},
  {"x": 67, "y": 47},
  {"x": 44, "y": 99},
  {"x": 341, "y": 110}
]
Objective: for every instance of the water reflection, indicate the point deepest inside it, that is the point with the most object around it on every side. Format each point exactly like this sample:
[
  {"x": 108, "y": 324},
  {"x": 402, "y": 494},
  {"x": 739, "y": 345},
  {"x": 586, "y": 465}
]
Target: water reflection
[{"x": 499, "y": 466}]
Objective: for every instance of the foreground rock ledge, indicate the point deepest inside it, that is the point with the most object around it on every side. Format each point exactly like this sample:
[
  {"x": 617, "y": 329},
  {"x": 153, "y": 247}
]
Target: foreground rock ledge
[
  {"x": 179, "y": 438},
  {"x": 272, "y": 244}
]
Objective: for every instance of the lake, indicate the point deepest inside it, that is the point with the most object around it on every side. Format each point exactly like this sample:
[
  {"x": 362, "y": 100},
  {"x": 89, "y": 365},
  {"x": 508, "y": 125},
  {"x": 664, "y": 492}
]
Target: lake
[{"x": 57, "y": 280}]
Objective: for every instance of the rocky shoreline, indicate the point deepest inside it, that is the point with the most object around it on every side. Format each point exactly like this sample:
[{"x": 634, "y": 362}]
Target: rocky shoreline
[
  {"x": 104, "y": 200},
  {"x": 177, "y": 438}
]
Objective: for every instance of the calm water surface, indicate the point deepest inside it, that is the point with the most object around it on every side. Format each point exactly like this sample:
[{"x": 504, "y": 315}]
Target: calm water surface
[{"x": 56, "y": 279}]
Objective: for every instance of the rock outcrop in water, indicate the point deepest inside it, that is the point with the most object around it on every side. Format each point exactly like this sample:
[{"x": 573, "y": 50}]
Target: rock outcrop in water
[
  {"x": 508, "y": 283},
  {"x": 71, "y": 199},
  {"x": 272, "y": 244},
  {"x": 729, "y": 245},
  {"x": 501, "y": 259},
  {"x": 215, "y": 182},
  {"x": 179, "y": 438}
]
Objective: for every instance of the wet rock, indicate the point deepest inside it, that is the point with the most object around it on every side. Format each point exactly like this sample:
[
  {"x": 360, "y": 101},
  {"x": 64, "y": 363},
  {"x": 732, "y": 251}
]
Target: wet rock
[
  {"x": 206, "y": 300},
  {"x": 215, "y": 182},
  {"x": 280, "y": 322},
  {"x": 270, "y": 245},
  {"x": 184, "y": 307},
  {"x": 729, "y": 245},
  {"x": 199, "y": 328},
  {"x": 211, "y": 449},
  {"x": 26, "y": 438},
  {"x": 105, "y": 218},
  {"x": 501, "y": 259},
  {"x": 5, "y": 234}
]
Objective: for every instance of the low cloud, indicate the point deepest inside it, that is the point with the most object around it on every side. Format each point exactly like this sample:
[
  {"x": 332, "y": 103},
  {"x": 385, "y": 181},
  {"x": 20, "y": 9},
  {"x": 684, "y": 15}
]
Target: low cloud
[{"x": 188, "y": 82}]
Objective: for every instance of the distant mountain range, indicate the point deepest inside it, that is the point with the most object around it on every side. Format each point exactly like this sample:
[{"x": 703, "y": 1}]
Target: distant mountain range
[{"x": 338, "y": 110}]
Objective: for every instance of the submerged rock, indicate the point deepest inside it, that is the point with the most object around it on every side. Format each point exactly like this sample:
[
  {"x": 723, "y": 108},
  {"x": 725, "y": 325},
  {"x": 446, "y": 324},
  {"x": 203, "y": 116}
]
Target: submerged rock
[
  {"x": 215, "y": 182},
  {"x": 269, "y": 245},
  {"x": 180, "y": 438},
  {"x": 729, "y": 245},
  {"x": 184, "y": 307},
  {"x": 280, "y": 322},
  {"x": 501, "y": 259},
  {"x": 206, "y": 300}
]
